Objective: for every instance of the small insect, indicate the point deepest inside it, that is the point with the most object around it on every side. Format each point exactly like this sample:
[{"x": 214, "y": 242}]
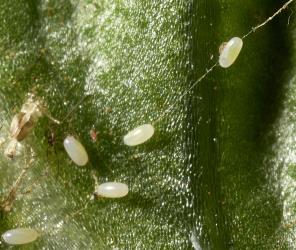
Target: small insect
[
  {"x": 93, "y": 135},
  {"x": 51, "y": 140},
  {"x": 53, "y": 144},
  {"x": 24, "y": 122}
]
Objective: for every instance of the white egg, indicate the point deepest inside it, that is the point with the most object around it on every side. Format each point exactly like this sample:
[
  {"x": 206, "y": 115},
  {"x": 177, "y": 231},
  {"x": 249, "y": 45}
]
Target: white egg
[
  {"x": 139, "y": 135},
  {"x": 230, "y": 52},
  {"x": 20, "y": 236},
  {"x": 112, "y": 190},
  {"x": 76, "y": 151}
]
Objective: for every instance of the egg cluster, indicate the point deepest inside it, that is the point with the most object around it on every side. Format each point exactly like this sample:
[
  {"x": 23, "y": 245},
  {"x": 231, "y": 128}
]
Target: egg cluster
[{"x": 25, "y": 121}]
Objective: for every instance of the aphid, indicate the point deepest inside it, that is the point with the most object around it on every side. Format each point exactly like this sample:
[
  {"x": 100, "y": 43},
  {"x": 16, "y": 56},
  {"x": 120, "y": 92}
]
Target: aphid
[
  {"x": 20, "y": 236},
  {"x": 76, "y": 151},
  {"x": 139, "y": 135},
  {"x": 229, "y": 52},
  {"x": 112, "y": 190},
  {"x": 23, "y": 123}
]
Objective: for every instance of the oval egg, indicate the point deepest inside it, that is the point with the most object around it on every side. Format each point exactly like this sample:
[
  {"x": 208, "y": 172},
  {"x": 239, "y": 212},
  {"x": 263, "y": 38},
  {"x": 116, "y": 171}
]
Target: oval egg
[
  {"x": 112, "y": 190},
  {"x": 20, "y": 236},
  {"x": 230, "y": 52},
  {"x": 139, "y": 135},
  {"x": 76, "y": 151}
]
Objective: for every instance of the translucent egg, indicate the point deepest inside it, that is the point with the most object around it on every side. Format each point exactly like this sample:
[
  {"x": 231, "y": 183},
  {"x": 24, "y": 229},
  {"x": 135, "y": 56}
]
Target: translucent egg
[
  {"x": 20, "y": 236},
  {"x": 230, "y": 52},
  {"x": 139, "y": 135},
  {"x": 112, "y": 190},
  {"x": 76, "y": 151}
]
